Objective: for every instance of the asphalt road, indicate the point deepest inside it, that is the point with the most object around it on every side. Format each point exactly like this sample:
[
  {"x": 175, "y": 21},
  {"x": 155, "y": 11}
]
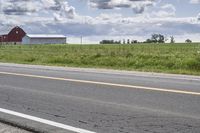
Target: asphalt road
[{"x": 103, "y": 101}]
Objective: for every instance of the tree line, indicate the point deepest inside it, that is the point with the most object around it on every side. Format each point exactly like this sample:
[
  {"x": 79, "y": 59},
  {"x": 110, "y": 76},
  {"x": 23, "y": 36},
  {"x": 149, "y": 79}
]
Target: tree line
[
  {"x": 128, "y": 41},
  {"x": 155, "y": 38}
]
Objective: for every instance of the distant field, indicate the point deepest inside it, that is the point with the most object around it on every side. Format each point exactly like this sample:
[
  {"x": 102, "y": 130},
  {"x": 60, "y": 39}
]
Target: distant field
[{"x": 167, "y": 58}]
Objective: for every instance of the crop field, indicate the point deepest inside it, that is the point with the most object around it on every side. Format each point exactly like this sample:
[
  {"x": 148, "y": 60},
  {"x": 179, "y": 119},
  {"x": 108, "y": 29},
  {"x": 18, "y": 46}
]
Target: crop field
[{"x": 165, "y": 58}]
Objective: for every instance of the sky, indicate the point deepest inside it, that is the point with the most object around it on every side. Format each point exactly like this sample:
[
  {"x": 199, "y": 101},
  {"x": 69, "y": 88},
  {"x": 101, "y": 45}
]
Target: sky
[{"x": 95, "y": 20}]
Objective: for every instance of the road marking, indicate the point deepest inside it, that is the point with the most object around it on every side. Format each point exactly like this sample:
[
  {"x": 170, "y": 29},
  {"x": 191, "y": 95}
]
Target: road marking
[
  {"x": 44, "y": 121},
  {"x": 105, "y": 83}
]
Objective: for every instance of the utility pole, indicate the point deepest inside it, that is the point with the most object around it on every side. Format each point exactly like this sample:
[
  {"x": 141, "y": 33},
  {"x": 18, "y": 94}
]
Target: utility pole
[{"x": 81, "y": 40}]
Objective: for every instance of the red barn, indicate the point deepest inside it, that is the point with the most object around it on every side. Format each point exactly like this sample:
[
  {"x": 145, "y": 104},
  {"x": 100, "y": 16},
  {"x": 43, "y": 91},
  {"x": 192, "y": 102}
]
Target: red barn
[{"x": 13, "y": 37}]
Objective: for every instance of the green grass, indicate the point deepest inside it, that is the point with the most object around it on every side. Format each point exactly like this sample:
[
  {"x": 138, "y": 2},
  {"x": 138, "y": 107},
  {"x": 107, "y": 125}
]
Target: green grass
[{"x": 166, "y": 58}]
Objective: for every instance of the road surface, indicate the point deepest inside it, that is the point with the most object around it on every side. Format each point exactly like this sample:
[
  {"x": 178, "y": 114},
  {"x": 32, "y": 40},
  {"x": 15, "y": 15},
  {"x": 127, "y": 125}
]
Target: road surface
[{"x": 101, "y": 101}]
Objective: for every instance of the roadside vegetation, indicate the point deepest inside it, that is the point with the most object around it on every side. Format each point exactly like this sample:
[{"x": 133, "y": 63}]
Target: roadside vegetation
[{"x": 166, "y": 58}]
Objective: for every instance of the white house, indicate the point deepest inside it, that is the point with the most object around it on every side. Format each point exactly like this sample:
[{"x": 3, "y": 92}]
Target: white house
[{"x": 43, "y": 39}]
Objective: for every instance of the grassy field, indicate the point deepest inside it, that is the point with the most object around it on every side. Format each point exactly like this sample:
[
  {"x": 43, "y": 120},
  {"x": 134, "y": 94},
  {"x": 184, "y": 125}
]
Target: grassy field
[{"x": 166, "y": 58}]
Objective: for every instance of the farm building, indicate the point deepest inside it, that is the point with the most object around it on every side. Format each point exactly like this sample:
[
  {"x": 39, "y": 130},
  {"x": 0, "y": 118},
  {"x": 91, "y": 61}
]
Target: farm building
[
  {"x": 14, "y": 36},
  {"x": 18, "y": 36},
  {"x": 43, "y": 39}
]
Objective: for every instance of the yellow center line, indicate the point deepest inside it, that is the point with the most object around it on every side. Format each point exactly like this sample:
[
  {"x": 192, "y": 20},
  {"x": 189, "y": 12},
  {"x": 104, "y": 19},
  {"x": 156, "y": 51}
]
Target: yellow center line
[{"x": 105, "y": 83}]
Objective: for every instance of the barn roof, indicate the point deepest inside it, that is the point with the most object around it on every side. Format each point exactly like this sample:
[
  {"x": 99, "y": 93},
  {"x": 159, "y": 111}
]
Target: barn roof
[
  {"x": 45, "y": 36},
  {"x": 7, "y": 29}
]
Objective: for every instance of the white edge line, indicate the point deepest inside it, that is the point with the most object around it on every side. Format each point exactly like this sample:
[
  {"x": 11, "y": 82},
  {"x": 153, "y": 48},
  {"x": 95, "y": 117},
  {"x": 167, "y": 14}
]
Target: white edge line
[
  {"x": 44, "y": 121},
  {"x": 70, "y": 128}
]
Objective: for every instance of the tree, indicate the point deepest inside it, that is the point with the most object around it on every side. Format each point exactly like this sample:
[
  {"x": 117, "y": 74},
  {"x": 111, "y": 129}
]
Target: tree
[
  {"x": 166, "y": 39},
  {"x": 172, "y": 40},
  {"x": 188, "y": 41},
  {"x": 124, "y": 41},
  {"x": 107, "y": 42},
  {"x": 134, "y": 41},
  {"x": 148, "y": 41},
  {"x": 128, "y": 41},
  {"x": 154, "y": 38},
  {"x": 161, "y": 38},
  {"x": 157, "y": 38}
]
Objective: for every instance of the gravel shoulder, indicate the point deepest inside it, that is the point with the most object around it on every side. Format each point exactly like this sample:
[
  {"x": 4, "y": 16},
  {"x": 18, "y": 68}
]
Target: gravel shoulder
[{"x": 9, "y": 129}]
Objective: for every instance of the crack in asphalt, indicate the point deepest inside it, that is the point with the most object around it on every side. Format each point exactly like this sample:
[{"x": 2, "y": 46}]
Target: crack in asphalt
[{"x": 108, "y": 121}]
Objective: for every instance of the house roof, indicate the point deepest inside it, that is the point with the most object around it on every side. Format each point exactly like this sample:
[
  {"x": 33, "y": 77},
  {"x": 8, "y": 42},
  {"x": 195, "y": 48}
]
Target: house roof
[{"x": 45, "y": 36}]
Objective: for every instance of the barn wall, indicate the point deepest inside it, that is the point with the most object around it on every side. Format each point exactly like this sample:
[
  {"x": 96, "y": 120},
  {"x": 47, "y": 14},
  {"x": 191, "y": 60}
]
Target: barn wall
[
  {"x": 13, "y": 37},
  {"x": 16, "y": 35},
  {"x": 10, "y": 43}
]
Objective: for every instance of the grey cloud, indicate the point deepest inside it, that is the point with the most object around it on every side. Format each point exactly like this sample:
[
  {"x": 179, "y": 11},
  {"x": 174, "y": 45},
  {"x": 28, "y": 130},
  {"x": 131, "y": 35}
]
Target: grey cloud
[
  {"x": 198, "y": 17},
  {"x": 16, "y": 11},
  {"x": 57, "y": 5},
  {"x": 17, "y": 7},
  {"x": 101, "y": 4},
  {"x": 139, "y": 9},
  {"x": 138, "y": 6},
  {"x": 26, "y": 7},
  {"x": 104, "y": 25}
]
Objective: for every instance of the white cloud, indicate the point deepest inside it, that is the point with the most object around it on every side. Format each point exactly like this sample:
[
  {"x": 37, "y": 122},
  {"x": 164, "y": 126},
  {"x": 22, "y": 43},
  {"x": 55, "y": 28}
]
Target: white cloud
[
  {"x": 167, "y": 10},
  {"x": 195, "y": 1},
  {"x": 32, "y": 10},
  {"x": 57, "y": 16}
]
